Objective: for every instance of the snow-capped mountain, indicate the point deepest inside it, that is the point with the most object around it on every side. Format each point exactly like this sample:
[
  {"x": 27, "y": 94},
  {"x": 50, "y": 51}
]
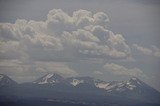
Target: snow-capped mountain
[
  {"x": 55, "y": 87},
  {"x": 76, "y": 81},
  {"x": 49, "y": 79},
  {"x": 131, "y": 85},
  {"x": 87, "y": 82},
  {"x": 123, "y": 86},
  {"x": 107, "y": 86},
  {"x": 6, "y": 81}
]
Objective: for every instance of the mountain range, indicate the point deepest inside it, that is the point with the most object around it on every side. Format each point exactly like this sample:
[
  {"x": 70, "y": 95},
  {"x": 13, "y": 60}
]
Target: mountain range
[{"x": 54, "y": 90}]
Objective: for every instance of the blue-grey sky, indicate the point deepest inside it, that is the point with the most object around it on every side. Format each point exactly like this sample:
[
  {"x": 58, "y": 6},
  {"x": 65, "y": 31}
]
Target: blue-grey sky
[{"x": 107, "y": 39}]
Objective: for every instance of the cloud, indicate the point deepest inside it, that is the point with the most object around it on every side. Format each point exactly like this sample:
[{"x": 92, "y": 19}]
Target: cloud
[
  {"x": 82, "y": 33},
  {"x": 7, "y": 32},
  {"x": 153, "y": 51},
  {"x": 58, "y": 67},
  {"x": 10, "y": 50},
  {"x": 29, "y": 72},
  {"x": 66, "y": 38},
  {"x": 121, "y": 70},
  {"x": 142, "y": 49},
  {"x": 156, "y": 51},
  {"x": 98, "y": 72}
]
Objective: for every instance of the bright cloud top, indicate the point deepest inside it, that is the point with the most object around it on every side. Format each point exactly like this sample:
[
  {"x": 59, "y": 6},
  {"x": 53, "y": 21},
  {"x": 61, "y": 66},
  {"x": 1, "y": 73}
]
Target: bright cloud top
[{"x": 63, "y": 36}]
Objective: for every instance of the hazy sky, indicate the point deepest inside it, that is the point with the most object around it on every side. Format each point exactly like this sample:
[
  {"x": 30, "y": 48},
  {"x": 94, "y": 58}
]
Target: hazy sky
[{"x": 107, "y": 39}]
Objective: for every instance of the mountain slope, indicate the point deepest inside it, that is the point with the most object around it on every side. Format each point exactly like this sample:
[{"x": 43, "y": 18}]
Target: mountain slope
[
  {"x": 134, "y": 88},
  {"x": 49, "y": 79},
  {"x": 131, "y": 87},
  {"x": 54, "y": 87},
  {"x": 6, "y": 81}
]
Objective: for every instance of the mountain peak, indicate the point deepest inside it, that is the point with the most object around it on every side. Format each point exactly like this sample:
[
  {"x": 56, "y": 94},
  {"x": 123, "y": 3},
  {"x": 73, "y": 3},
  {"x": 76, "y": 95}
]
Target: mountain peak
[
  {"x": 81, "y": 80},
  {"x": 135, "y": 80},
  {"x": 1, "y": 76},
  {"x": 5, "y": 80},
  {"x": 49, "y": 78}
]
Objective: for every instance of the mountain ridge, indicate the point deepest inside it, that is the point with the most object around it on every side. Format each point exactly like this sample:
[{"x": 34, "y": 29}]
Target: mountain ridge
[
  {"x": 6, "y": 81},
  {"x": 54, "y": 87},
  {"x": 53, "y": 78}
]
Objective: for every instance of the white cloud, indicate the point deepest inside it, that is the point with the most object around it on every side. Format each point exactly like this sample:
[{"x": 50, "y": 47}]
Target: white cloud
[
  {"x": 17, "y": 70},
  {"x": 153, "y": 51},
  {"x": 60, "y": 38},
  {"x": 121, "y": 70},
  {"x": 142, "y": 49},
  {"x": 10, "y": 50},
  {"x": 7, "y": 32},
  {"x": 100, "y": 32},
  {"x": 156, "y": 51},
  {"x": 83, "y": 32},
  {"x": 101, "y": 18},
  {"x": 57, "y": 67}
]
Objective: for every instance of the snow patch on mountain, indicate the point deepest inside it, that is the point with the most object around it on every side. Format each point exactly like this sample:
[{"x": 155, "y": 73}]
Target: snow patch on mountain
[
  {"x": 102, "y": 85},
  {"x": 75, "y": 82},
  {"x": 132, "y": 84},
  {"x": 45, "y": 79},
  {"x": 112, "y": 86},
  {"x": 49, "y": 78}
]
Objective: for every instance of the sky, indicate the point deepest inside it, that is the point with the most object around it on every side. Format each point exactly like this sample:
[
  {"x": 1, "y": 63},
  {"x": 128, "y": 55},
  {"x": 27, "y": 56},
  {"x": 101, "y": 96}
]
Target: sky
[{"x": 105, "y": 39}]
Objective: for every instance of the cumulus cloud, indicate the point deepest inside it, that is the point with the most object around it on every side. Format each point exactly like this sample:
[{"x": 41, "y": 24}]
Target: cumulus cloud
[
  {"x": 29, "y": 72},
  {"x": 153, "y": 51},
  {"x": 156, "y": 51},
  {"x": 121, "y": 70},
  {"x": 142, "y": 49},
  {"x": 82, "y": 33},
  {"x": 59, "y": 67},
  {"x": 62, "y": 38},
  {"x": 10, "y": 50}
]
